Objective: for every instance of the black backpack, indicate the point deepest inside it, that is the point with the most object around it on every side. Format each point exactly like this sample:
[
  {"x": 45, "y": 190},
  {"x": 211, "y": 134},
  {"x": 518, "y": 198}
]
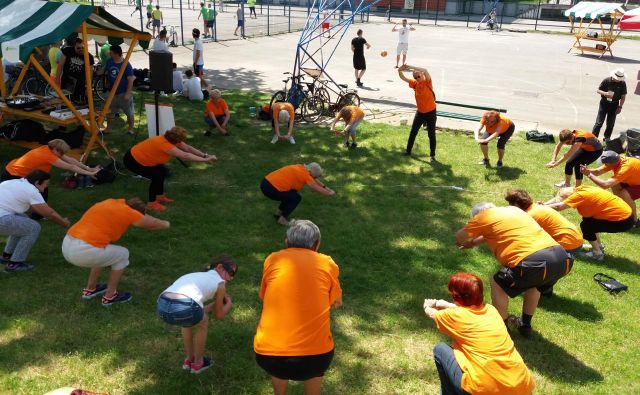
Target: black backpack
[
  {"x": 24, "y": 130},
  {"x": 534, "y": 135}
]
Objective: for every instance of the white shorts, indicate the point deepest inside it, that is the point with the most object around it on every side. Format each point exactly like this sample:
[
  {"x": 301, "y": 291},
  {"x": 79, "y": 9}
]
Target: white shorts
[
  {"x": 403, "y": 48},
  {"x": 80, "y": 253}
]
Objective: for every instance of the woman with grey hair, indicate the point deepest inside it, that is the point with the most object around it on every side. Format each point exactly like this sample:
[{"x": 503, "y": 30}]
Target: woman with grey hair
[
  {"x": 216, "y": 114},
  {"x": 283, "y": 185}
]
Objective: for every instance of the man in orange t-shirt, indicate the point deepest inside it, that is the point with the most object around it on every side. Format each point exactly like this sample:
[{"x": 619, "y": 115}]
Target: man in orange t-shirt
[
  {"x": 625, "y": 182},
  {"x": 88, "y": 244},
  {"x": 532, "y": 261},
  {"x": 216, "y": 114},
  {"x": 497, "y": 126},
  {"x": 422, "y": 86},
  {"x": 283, "y": 185},
  {"x": 299, "y": 288}
]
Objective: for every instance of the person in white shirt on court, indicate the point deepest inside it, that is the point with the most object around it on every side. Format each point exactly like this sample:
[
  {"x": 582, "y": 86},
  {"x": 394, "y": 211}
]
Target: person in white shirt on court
[
  {"x": 403, "y": 40},
  {"x": 183, "y": 304},
  {"x": 198, "y": 57},
  {"x": 177, "y": 80},
  {"x": 191, "y": 87}
]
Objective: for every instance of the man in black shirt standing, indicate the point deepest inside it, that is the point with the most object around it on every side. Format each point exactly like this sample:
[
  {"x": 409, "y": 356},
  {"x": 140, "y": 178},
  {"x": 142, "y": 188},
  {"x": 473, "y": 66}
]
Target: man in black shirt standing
[
  {"x": 72, "y": 68},
  {"x": 359, "y": 63},
  {"x": 612, "y": 91}
]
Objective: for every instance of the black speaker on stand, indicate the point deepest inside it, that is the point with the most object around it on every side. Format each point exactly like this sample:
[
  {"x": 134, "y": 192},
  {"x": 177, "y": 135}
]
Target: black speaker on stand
[{"x": 161, "y": 69}]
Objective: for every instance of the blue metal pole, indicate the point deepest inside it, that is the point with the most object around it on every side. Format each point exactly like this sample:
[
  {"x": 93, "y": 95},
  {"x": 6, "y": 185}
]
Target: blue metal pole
[
  {"x": 268, "y": 16},
  {"x": 289, "y": 16}
]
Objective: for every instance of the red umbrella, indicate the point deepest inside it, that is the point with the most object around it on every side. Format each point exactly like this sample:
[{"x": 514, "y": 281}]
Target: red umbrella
[{"x": 630, "y": 23}]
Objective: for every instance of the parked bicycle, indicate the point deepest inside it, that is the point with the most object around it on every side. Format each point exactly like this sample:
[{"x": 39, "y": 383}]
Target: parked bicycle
[
  {"x": 172, "y": 34},
  {"x": 301, "y": 95}
]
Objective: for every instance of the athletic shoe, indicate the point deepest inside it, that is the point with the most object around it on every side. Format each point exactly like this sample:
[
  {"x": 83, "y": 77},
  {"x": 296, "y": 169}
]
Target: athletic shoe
[
  {"x": 292, "y": 140},
  {"x": 5, "y": 261},
  {"x": 156, "y": 206},
  {"x": 589, "y": 247},
  {"x": 432, "y": 159},
  {"x": 186, "y": 365},
  {"x": 346, "y": 144},
  {"x": 499, "y": 164},
  {"x": 274, "y": 139},
  {"x": 88, "y": 294},
  {"x": 353, "y": 145},
  {"x": 594, "y": 256},
  {"x": 206, "y": 364},
  {"x": 516, "y": 323},
  {"x": 484, "y": 162},
  {"x": 163, "y": 199},
  {"x": 13, "y": 267},
  {"x": 116, "y": 298},
  {"x": 561, "y": 184}
]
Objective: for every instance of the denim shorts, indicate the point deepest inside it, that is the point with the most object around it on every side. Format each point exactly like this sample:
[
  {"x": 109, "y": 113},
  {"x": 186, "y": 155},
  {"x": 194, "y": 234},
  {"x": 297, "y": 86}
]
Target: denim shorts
[
  {"x": 209, "y": 121},
  {"x": 183, "y": 312}
]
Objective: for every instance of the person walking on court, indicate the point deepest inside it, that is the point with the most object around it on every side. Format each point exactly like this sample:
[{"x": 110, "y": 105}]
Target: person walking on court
[
  {"x": 157, "y": 20},
  {"x": 138, "y": 6},
  {"x": 240, "y": 18},
  {"x": 359, "y": 63},
  {"x": 612, "y": 91},
  {"x": 149, "y": 13},
  {"x": 426, "y": 107},
  {"x": 403, "y": 40},
  {"x": 252, "y": 8}
]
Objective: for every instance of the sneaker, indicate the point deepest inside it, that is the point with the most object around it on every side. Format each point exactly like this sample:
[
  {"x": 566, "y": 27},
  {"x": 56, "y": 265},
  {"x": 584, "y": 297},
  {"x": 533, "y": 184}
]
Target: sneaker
[
  {"x": 484, "y": 162},
  {"x": 156, "y": 206},
  {"x": 207, "y": 133},
  {"x": 499, "y": 164},
  {"x": 4, "y": 260},
  {"x": 88, "y": 294},
  {"x": 292, "y": 140},
  {"x": 116, "y": 298},
  {"x": 12, "y": 267},
  {"x": 283, "y": 221},
  {"x": 132, "y": 132},
  {"x": 516, "y": 323},
  {"x": 406, "y": 153},
  {"x": 163, "y": 199},
  {"x": 589, "y": 247},
  {"x": 432, "y": 159},
  {"x": 353, "y": 145},
  {"x": 206, "y": 364},
  {"x": 186, "y": 365},
  {"x": 594, "y": 256},
  {"x": 274, "y": 139},
  {"x": 561, "y": 184},
  {"x": 347, "y": 144}
]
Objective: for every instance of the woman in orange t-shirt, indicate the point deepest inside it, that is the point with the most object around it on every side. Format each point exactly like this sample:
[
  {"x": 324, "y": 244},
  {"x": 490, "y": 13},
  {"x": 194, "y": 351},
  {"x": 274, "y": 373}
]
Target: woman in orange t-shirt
[
  {"x": 585, "y": 149},
  {"x": 483, "y": 359},
  {"x": 601, "y": 211},
  {"x": 283, "y": 185},
  {"x": 148, "y": 159},
  {"x": 216, "y": 114},
  {"x": 495, "y": 125}
]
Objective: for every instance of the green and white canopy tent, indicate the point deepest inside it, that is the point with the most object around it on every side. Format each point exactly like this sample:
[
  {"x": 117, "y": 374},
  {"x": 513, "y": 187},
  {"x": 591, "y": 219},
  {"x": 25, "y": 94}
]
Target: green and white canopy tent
[
  {"x": 597, "y": 22},
  {"x": 593, "y": 10}
]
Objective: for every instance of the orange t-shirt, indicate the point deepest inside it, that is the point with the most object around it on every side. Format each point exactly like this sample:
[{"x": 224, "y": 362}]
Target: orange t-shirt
[
  {"x": 626, "y": 172},
  {"x": 217, "y": 110},
  {"x": 484, "y": 350},
  {"x": 298, "y": 288},
  {"x": 279, "y": 106},
  {"x": 289, "y": 177},
  {"x": 425, "y": 98},
  {"x": 510, "y": 233},
  {"x": 105, "y": 222},
  {"x": 502, "y": 125},
  {"x": 588, "y": 141},
  {"x": 598, "y": 203},
  {"x": 557, "y": 226},
  {"x": 356, "y": 113},
  {"x": 40, "y": 158},
  {"x": 152, "y": 151}
]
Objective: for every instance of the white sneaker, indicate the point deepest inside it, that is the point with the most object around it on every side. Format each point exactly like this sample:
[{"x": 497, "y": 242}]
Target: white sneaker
[
  {"x": 274, "y": 139},
  {"x": 561, "y": 184},
  {"x": 594, "y": 256},
  {"x": 291, "y": 140}
]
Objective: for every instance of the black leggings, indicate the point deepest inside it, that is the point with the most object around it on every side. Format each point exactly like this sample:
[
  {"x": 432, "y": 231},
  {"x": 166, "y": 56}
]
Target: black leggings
[
  {"x": 289, "y": 200},
  {"x": 580, "y": 157},
  {"x": 421, "y": 118},
  {"x": 5, "y": 176},
  {"x": 156, "y": 174},
  {"x": 591, "y": 226}
]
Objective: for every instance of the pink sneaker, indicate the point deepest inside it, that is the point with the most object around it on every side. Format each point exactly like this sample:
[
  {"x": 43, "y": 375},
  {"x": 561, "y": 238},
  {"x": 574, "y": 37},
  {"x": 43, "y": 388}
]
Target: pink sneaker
[{"x": 186, "y": 365}]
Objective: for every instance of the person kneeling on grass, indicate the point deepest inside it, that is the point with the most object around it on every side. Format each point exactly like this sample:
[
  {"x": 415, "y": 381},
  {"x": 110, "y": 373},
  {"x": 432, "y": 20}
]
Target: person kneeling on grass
[
  {"x": 484, "y": 359},
  {"x": 282, "y": 112},
  {"x": 283, "y": 185},
  {"x": 216, "y": 114},
  {"x": 16, "y": 197},
  {"x": 88, "y": 244},
  {"x": 352, "y": 116},
  {"x": 495, "y": 125},
  {"x": 601, "y": 211},
  {"x": 532, "y": 262},
  {"x": 182, "y": 304}
]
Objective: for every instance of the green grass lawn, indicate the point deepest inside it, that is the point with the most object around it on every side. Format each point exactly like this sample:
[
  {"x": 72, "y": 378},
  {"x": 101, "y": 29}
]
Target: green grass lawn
[{"x": 390, "y": 229}]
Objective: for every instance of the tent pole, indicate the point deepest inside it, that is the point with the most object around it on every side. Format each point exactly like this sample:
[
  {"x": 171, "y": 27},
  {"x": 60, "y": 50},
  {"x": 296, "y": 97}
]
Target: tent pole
[
  {"x": 112, "y": 93},
  {"x": 88, "y": 76},
  {"x": 16, "y": 86},
  {"x": 3, "y": 88}
]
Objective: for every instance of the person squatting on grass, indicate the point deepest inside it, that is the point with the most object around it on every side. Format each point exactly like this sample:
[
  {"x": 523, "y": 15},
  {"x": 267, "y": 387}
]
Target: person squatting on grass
[
  {"x": 585, "y": 149},
  {"x": 625, "y": 181},
  {"x": 283, "y": 185},
  {"x": 16, "y": 197},
  {"x": 299, "y": 288},
  {"x": 148, "y": 158},
  {"x": 88, "y": 244},
  {"x": 601, "y": 211},
  {"x": 352, "y": 116},
  {"x": 532, "y": 262},
  {"x": 282, "y": 112},
  {"x": 426, "y": 107},
  {"x": 216, "y": 114},
  {"x": 183, "y": 304},
  {"x": 497, "y": 126},
  {"x": 484, "y": 359}
]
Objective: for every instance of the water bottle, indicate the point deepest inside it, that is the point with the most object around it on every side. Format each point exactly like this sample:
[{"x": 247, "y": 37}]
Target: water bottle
[{"x": 253, "y": 112}]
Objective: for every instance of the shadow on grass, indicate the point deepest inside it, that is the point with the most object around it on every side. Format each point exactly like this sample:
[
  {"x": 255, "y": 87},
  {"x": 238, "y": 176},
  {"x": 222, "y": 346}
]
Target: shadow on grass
[
  {"x": 580, "y": 310},
  {"x": 618, "y": 263}
]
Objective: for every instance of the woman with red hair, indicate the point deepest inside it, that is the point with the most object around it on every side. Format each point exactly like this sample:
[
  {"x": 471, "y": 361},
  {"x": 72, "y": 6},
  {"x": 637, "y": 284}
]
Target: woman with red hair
[{"x": 483, "y": 359}]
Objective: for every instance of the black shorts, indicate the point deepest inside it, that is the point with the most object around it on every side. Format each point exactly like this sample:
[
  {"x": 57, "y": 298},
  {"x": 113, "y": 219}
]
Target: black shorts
[
  {"x": 210, "y": 23},
  {"x": 359, "y": 63},
  {"x": 539, "y": 270},
  {"x": 295, "y": 368}
]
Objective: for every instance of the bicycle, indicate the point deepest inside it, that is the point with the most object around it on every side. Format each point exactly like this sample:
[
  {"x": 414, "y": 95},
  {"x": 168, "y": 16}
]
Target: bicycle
[
  {"x": 311, "y": 105},
  {"x": 345, "y": 96},
  {"x": 172, "y": 34}
]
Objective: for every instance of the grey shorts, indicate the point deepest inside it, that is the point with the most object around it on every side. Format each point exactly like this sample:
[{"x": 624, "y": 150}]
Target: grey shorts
[
  {"x": 353, "y": 129},
  {"x": 120, "y": 104}
]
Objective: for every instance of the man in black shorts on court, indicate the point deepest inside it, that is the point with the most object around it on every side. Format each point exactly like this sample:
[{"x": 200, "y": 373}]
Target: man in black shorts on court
[
  {"x": 532, "y": 262},
  {"x": 359, "y": 63}
]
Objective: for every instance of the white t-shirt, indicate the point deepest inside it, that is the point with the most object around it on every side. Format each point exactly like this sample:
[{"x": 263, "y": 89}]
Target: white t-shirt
[
  {"x": 240, "y": 14},
  {"x": 177, "y": 81},
  {"x": 197, "y": 46},
  {"x": 200, "y": 286},
  {"x": 17, "y": 196},
  {"x": 403, "y": 35},
  {"x": 193, "y": 89},
  {"x": 159, "y": 46}
]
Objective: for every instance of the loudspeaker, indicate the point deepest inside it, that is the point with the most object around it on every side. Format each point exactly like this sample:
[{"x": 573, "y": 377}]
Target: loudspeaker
[{"x": 161, "y": 70}]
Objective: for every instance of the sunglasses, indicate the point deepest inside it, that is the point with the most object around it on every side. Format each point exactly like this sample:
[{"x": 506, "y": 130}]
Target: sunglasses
[{"x": 229, "y": 269}]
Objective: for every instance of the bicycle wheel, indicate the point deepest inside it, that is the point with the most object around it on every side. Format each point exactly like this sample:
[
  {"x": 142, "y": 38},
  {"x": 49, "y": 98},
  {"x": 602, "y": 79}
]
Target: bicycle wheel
[
  {"x": 349, "y": 99},
  {"x": 100, "y": 89},
  {"x": 323, "y": 93},
  {"x": 279, "y": 96},
  {"x": 32, "y": 86},
  {"x": 312, "y": 108}
]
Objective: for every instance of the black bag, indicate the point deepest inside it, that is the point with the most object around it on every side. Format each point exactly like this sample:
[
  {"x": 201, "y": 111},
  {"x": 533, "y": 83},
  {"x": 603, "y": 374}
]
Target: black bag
[
  {"x": 633, "y": 142},
  {"x": 615, "y": 145},
  {"x": 534, "y": 135},
  {"x": 142, "y": 76},
  {"x": 24, "y": 129},
  {"x": 609, "y": 283},
  {"x": 264, "y": 115},
  {"x": 106, "y": 174},
  {"x": 75, "y": 138}
]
